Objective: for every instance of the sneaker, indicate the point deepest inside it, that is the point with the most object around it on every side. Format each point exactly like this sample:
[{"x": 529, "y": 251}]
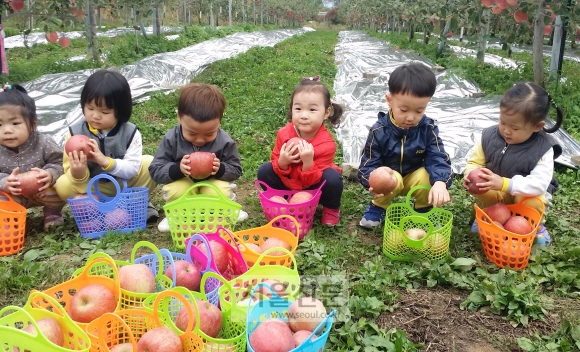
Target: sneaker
[
  {"x": 52, "y": 220},
  {"x": 474, "y": 228},
  {"x": 242, "y": 216},
  {"x": 542, "y": 236},
  {"x": 152, "y": 213},
  {"x": 330, "y": 217},
  {"x": 373, "y": 216},
  {"x": 163, "y": 226},
  {"x": 234, "y": 197}
]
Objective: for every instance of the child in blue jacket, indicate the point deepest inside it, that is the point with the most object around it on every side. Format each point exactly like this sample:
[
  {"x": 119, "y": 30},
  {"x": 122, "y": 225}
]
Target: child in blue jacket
[{"x": 408, "y": 142}]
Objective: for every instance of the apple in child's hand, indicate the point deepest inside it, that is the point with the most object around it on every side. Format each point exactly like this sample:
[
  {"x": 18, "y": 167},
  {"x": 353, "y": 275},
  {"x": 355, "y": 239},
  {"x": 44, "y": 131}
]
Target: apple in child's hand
[
  {"x": 294, "y": 141},
  {"x": 78, "y": 142},
  {"x": 160, "y": 340},
  {"x": 382, "y": 180},
  {"x": 201, "y": 164},
  {"x": 90, "y": 302},
  {"x": 50, "y": 328},
  {"x": 474, "y": 178},
  {"x": 186, "y": 274},
  {"x": 29, "y": 183}
]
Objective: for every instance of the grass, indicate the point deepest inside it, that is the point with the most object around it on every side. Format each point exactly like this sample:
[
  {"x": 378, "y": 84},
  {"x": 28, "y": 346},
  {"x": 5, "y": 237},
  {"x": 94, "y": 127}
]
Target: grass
[{"x": 461, "y": 303}]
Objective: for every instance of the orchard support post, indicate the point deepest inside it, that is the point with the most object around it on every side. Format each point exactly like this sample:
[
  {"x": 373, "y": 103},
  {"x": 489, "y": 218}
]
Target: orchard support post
[
  {"x": 538, "y": 44},
  {"x": 482, "y": 36},
  {"x": 230, "y": 11},
  {"x": 556, "y": 46}
]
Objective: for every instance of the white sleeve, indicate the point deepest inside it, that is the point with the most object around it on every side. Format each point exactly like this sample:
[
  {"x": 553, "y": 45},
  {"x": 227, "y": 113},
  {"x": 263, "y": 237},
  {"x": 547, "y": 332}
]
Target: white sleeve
[
  {"x": 537, "y": 182},
  {"x": 128, "y": 167}
]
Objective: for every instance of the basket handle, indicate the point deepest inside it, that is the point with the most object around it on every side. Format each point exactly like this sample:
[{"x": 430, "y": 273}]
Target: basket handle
[
  {"x": 211, "y": 274},
  {"x": 38, "y": 337},
  {"x": 99, "y": 194},
  {"x": 97, "y": 258},
  {"x": 7, "y": 195},
  {"x": 154, "y": 249},
  {"x": 168, "y": 260},
  {"x": 259, "y": 183},
  {"x": 326, "y": 323},
  {"x": 418, "y": 219},
  {"x": 106, "y": 319},
  {"x": 521, "y": 202},
  {"x": 181, "y": 294},
  {"x": 412, "y": 190},
  {"x": 220, "y": 231},
  {"x": 204, "y": 240},
  {"x": 289, "y": 217},
  {"x": 265, "y": 253},
  {"x": 319, "y": 189},
  {"x": 57, "y": 309},
  {"x": 262, "y": 284},
  {"x": 187, "y": 195}
]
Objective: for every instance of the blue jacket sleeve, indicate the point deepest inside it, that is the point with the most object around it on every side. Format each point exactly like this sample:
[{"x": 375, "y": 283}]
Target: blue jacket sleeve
[
  {"x": 437, "y": 162},
  {"x": 371, "y": 157}
]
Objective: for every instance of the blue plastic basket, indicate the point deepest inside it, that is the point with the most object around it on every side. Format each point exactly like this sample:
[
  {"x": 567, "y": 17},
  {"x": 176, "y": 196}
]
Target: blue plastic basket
[
  {"x": 277, "y": 307},
  {"x": 125, "y": 212}
]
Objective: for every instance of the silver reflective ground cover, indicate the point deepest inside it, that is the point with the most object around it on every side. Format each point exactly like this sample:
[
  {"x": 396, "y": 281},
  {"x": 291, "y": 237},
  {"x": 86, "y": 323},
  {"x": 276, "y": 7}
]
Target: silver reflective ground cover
[
  {"x": 363, "y": 68},
  {"x": 57, "y": 96}
]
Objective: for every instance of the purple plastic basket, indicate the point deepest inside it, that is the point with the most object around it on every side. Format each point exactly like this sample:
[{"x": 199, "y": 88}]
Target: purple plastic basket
[{"x": 302, "y": 212}]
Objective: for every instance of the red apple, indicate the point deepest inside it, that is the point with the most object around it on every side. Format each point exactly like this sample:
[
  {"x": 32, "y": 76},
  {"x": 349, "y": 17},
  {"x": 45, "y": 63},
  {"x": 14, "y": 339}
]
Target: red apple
[
  {"x": 306, "y": 313},
  {"x": 294, "y": 141},
  {"x": 90, "y": 302},
  {"x": 275, "y": 242},
  {"x": 124, "y": 347},
  {"x": 520, "y": 16},
  {"x": 160, "y": 340},
  {"x": 210, "y": 318},
  {"x": 186, "y": 275},
  {"x": 50, "y": 328},
  {"x": 382, "y": 180},
  {"x": 117, "y": 219},
  {"x": 496, "y": 10},
  {"x": 518, "y": 224},
  {"x": 201, "y": 164},
  {"x": 547, "y": 30},
  {"x": 301, "y": 336},
  {"x": 253, "y": 247},
  {"x": 498, "y": 212},
  {"x": 474, "y": 178},
  {"x": 17, "y": 5},
  {"x": 499, "y": 224},
  {"x": 85, "y": 203},
  {"x": 300, "y": 197},
  {"x": 279, "y": 199},
  {"x": 502, "y": 4},
  {"x": 262, "y": 339},
  {"x": 64, "y": 42},
  {"x": 512, "y": 3},
  {"x": 51, "y": 37},
  {"x": 29, "y": 183},
  {"x": 276, "y": 285},
  {"x": 137, "y": 278},
  {"x": 487, "y": 3},
  {"x": 78, "y": 142},
  {"x": 415, "y": 234},
  {"x": 219, "y": 254}
]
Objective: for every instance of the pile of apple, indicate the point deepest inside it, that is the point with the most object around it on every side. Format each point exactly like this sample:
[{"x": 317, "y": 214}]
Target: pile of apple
[
  {"x": 271, "y": 242},
  {"x": 304, "y": 316},
  {"x": 297, "y": 198},
  {"x": 502, "y": 217}
]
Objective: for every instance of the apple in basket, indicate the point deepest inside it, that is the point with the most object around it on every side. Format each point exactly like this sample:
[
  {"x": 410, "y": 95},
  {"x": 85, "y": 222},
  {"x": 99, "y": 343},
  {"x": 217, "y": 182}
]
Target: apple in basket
[
  {"x": 137, "y": 278},
  {"x": 301, "y": 197},
  {"x": 474, "y": 178},
  {"x": 301, "y": 336},
  {"x": 274, "y": 242},
  {"x": 245, "y": 301},
  {"x": 294, "y": 141},
  {"x": 279, "y": 199},
  {"x": 124, "y": 347},
  {"x": 29, "y": 183},
  {"x": 415, "y": 234},
  {"x": 50, "y": 328},
  {"x": 78, "y": 142},
  {"x": 210, "y": 318},
  {"x": 117, "y": 219},
  {"x": 276, "y": 285},
  {"x": 251, "y": 246},
  {"x": 219, "y": 254},
  {"x": 160, "y": 340},
  {"x": 306, "y": 313},
  {"x": 201, "y": 164},
  {"x": 261, "y": 338},
  {"x": 90, "y": 302},
  {"x": 518, "y": 224},
  {"x": 382, "y": 180},
  {"x": 186, "y": 274},
  {"x": 498, "y": 212},
  {"x": 85, "y": 204}
]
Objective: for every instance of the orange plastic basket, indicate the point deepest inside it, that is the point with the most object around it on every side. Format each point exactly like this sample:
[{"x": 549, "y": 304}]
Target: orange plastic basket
[
  {"x": 14, "y": 319},
  {"x": 96, "y": 272},
  {"x": 13, "y": 225},
  {"x": 111, "y": 330},
  {"x": 259, "y": 235},
  {"x": 507, "y": 248}
]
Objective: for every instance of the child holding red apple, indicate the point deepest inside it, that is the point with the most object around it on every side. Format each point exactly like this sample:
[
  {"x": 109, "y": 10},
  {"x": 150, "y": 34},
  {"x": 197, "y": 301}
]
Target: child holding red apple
[
  {"x": 197, "y": 149},
  {"x": 115, "y": 144},
  {"x": 406, "y": 143},
  {"x": 303, "y": 156},
  {"x": 30, "y": 162},
  {"x": 516, "y": 157}
]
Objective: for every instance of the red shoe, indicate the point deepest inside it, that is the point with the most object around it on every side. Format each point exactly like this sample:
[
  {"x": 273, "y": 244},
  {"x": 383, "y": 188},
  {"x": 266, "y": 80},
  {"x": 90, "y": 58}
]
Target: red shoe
[{"x": 330, "y": 217}]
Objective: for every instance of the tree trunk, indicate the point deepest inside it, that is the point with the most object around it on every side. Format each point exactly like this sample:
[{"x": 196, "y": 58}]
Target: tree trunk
[
  {"x": 230, "y": 11},
  {"x": 482, "y": 36},
  {"x": 98, "y": 18},
  {"x": 443, "y": 38},
  {"x": 426, "y": 34},
  {"x": 92, "y": 41},
  {"x": 143, "y": 31},
  {"x": 243, "y": 11},
  {"x": 155, "y": 22},
  {"x": 557, "y": 35},
  {"x": 538, "y": 44},
  {"x": 262, "y": 13},
  {"x": 184, "y": 13},
  {"x": 411, "y": 31},
  {"x": 254, "y": 10},
  {"x": 211, "y": 20}
]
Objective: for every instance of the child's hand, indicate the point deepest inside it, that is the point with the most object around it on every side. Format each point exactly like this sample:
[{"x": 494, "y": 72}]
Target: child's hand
[
  {"x": 306, "y": 153},
  {"x": 96, "y": 155},
  {"x": 184, "y": 165},
  {"x": 216, "y": 165},
  {"x": 288, "y": 156},
  {"x": 494, "y": 182},
  {"x": 43, "y": 177},
  {"x": 12, "y": 183},
  {"x": 439, "y": 195},
  {"x": 78, "y": 164},
  {"x": 466, "y": 182}
]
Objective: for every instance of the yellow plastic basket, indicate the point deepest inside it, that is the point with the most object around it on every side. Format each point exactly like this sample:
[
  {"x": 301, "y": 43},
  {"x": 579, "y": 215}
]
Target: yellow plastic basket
[
  {"x": 399, "y": 217},
  {"x": 14, "y": 319}
]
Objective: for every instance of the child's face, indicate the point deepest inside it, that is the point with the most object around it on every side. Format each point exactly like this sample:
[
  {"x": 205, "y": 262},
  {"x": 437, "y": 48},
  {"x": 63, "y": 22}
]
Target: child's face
[
  {"x": 198, "y": 133},
  {"x": 515, "y": 129},
  {"x": 308, "y": 113},
  {"x": 407, "y": 109},
  {"x": 99, "y": 116},
  {"x": 14, "y": 130}
]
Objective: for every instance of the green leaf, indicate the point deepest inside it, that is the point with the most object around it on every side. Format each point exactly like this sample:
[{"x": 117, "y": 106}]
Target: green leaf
[
  {"x": 31, "y": 255},
  {"x": 575, "y": 332},
  {"x": 464, "y": 262},
  {"x": 526, "y": 344}
]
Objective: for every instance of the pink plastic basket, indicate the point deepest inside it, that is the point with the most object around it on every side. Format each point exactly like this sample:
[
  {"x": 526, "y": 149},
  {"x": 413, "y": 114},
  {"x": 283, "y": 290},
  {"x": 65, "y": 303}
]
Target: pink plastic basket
[{"x": 302, "y": 212}]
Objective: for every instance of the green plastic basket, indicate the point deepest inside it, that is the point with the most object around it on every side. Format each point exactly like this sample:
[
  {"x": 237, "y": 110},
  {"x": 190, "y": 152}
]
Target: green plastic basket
[
  {"x": 200, "y": 213},
  {"x": 437, "y": 223}
]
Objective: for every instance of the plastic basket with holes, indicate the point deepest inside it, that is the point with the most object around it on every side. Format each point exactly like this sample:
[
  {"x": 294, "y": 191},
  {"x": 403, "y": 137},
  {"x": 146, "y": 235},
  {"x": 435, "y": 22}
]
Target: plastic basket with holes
[
  {"x": 277, "y": 307},
  {"x": 400, "y": 217},
  {"x": 100, "y": 270},
  {"x": 505, "y": 248},
  {"x": 303, "y": 212},
  {"x": 285, "y": 281},
  {"x": 96, "y": 214},
  {"x": 231, "y": 333},
  {"x": 129, "y": 325},
  {"x": 200, "y": 213},
  {"x": 12, "y": 225},
  {"x": 15, "y": 320},
  {"x": 259, "y": 235}
]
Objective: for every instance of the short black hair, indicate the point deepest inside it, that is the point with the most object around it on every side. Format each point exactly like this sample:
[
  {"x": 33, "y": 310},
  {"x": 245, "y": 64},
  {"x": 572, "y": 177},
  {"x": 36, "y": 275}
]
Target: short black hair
[
  {"x": 111, "y": 89},
  {"x": 16, "y": 95},
  {"x": 415, "y": 79}
]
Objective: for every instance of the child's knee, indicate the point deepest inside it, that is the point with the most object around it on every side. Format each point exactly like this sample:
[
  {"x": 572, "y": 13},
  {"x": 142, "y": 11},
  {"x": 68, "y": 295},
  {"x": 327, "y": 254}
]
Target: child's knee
[
  {"x": 333, "y": 179},
  {"x": 264, "y": 170}
]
